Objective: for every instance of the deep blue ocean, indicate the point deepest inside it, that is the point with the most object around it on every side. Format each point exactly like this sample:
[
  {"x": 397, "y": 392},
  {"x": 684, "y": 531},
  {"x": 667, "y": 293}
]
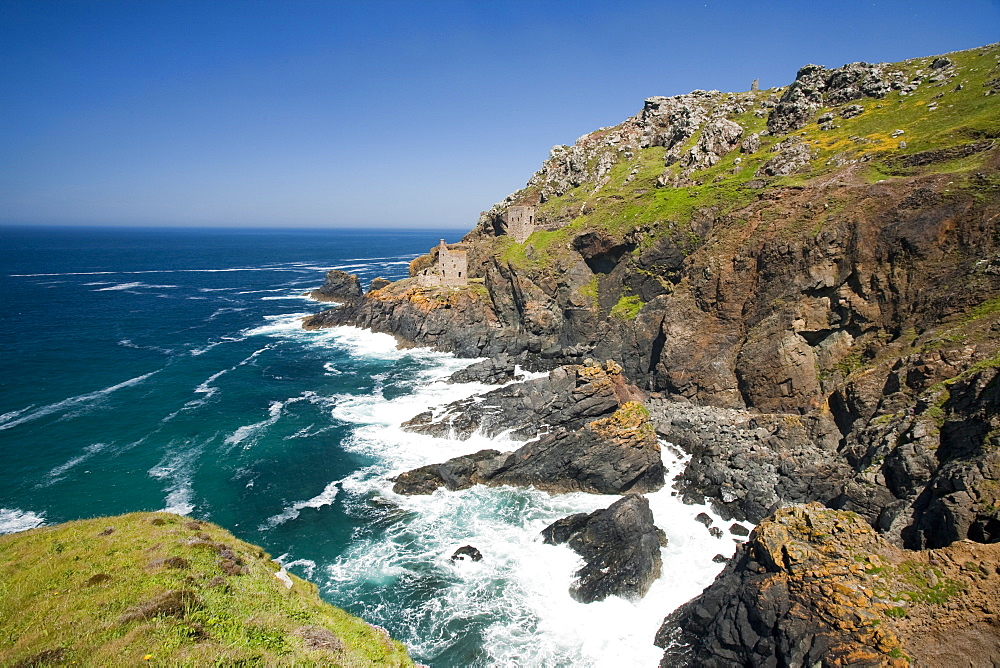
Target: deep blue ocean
[{"x": 149, "y": 369}]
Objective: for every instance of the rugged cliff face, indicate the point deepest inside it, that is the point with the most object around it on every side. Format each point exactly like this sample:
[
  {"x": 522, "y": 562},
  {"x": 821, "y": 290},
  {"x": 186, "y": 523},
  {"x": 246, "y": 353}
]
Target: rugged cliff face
[{"x": 806, "y": 280}]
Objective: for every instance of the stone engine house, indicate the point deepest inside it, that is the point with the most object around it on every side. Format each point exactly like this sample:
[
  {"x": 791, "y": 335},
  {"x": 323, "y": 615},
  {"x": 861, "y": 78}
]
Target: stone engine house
[
  {"x": 520, "y": 222},
  {"x": 451, "y": 268}
]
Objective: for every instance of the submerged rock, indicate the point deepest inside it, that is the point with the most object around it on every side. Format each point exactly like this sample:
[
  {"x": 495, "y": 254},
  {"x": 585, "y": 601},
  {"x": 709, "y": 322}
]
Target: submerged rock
[
  {"x": 467, "y": 551},
  {"x": 620, "y": 544}
]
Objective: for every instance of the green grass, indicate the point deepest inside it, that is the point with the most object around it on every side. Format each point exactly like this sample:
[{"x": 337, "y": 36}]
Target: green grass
[
  {"x": 76, "y": 592},
  {"x": 627, "y": 307},
  {"x": 919, "y": 588}
]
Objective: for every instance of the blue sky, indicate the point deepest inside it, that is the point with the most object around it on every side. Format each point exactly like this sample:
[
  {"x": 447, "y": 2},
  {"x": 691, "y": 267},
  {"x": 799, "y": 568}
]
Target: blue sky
[{"x": 313, "y": 114}]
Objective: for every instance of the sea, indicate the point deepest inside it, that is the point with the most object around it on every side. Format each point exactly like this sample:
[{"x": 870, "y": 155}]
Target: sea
[{"x": 166, "y": 369}]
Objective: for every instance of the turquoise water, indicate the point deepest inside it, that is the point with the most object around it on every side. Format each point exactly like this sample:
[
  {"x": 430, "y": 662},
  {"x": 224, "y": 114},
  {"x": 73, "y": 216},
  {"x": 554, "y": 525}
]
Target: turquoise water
[{"x": 166, "y": 369}]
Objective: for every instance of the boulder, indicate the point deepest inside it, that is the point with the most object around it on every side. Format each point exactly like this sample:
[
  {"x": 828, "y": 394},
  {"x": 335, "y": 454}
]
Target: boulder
[
  {"x": 467, "y": 551},
  {"x": 621, "y": 547},
  {"x": 378, "y": 283}
]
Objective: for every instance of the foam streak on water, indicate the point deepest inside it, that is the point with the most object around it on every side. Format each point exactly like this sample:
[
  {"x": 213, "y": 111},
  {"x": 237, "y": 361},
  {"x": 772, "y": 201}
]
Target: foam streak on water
[{"x": 82, "y": 400}]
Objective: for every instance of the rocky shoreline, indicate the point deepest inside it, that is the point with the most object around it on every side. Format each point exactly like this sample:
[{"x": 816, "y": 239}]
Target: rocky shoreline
[{"x": 805, "y": 304}]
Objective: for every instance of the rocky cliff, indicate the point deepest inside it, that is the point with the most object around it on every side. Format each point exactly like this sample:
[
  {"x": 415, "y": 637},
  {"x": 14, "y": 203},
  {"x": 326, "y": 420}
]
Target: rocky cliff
[{"x": 806, "y": 280}]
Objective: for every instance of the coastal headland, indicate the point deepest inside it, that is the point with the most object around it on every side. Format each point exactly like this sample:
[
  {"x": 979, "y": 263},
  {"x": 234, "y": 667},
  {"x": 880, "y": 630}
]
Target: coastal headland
[{"x": 800, "y": 288}]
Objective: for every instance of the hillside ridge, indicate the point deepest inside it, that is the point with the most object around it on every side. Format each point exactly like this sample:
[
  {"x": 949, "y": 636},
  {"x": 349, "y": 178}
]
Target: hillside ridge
[{"x": 804, "y": 283}]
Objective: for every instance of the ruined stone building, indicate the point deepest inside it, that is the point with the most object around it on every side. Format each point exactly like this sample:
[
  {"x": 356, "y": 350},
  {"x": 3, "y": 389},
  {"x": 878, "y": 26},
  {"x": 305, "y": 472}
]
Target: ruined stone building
[
  {"x": 520, "y": 222},
  {"x": 451, "y": 268}
]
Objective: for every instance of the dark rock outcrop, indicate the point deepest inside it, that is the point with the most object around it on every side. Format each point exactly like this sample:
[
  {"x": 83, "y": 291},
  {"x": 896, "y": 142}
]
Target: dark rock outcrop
[
  {"x": 568, "y": 398},
  {"x": 492, "y": 371},
  {"x": 621, "y": 547},
  {"x": 819, "y": 587},
  {"x": 611, "y": 455},
  {"x": 378, "y": 283},
  {"x": 750, "y": 464},
  {"x": 467, "y": 551},
  {"x": 340, "y": 286}
]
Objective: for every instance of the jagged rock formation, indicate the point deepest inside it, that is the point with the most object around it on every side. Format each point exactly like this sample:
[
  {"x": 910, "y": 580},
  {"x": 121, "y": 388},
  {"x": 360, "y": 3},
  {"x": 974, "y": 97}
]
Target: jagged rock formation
[
  {"x": 621, "y": 547},
  {"x": 814, "y": 270},
  {"x": 568, "y": 398},
  {"x": 611, "y": 455},
  {"x": 591, "y": 434},
  {"x": 820, "y": 587},
  {"x": 751, "y": 464},
  {"x": 492, "y": 371},
  {"x": 339, "y": 286}
]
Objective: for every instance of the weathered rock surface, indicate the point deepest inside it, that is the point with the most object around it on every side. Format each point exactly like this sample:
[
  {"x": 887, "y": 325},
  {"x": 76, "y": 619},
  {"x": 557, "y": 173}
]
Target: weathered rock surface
[
  {"x": 491, "y": 371},
  {"x": 815, "y": 87},
  {"x": 819, "y": 587},
  {"x": 340, "y": 286},
  {"x": 610, "y": 455},
  {"x": 621, "y": 547},
  {"x": 378, "y": 283},
  {"x": 750, "y": 464},
  {"x": 568, "y": 398}
]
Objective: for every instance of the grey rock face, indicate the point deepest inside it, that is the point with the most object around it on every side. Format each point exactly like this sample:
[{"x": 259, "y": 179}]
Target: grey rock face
[
  {"x": 751, "y": 144},
  {"x": 601, "y": 458},
  {"x": 851, "y": 110},
  {"x": 620, "y": 544},
  {"x": 750, "y": 464},
  {"x": 792, "y": 156},
  {"x": 492, "y": 371},
  {"x": 719, "y": 137},
  {"x": 816, "y": 87},
  {"x": 568, "y": 398},
  {"x": 378, "y": 284}
]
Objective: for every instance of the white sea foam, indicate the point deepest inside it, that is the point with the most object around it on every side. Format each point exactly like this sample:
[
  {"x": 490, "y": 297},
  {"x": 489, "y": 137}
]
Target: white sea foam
[
  {"x": 176, "y": 469},
  {"x": 132, "y": 286},
  {"x": 208, "y": 390},
  {"x": 521, "y": 587},
  {"x": 278, "y": 325},
  {"x": 13, "y": 520},
  {"x": 58, "y": 472},
  {"x": 324, "y": 498},
  {"x": 212, "y": 344},
  {"x": 227, "y": 309},
  {"x": 308, "y": 566},
  {"x": 128, "y": 343},
  {"x": 248, "y": 435},
  {"x": 83, "y": 400},
  {"x": 294, "y": 295}
]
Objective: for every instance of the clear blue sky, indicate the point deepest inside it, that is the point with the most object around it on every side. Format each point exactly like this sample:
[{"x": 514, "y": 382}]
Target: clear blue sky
[{"x": 369, "y": 113}]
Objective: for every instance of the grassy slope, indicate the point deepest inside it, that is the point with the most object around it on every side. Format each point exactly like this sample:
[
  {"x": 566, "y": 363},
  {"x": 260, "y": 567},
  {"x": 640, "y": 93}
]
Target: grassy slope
[
  {"x": 951, "y": 112},
  {"x": 934, "y": 116},
  {"x": 66, "y": 591}
]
